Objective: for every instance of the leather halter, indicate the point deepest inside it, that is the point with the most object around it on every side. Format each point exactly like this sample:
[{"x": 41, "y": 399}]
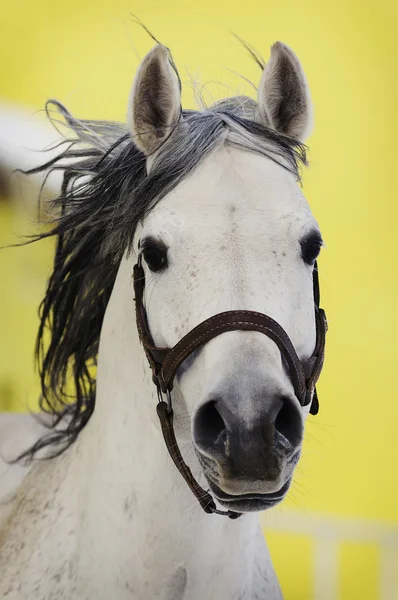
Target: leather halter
[{"x": 164, "y": 363}]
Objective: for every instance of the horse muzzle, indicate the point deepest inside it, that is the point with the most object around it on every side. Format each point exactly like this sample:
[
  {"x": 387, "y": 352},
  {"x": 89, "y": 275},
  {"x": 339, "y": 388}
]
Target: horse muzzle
[{"x": 248, "y": 456}]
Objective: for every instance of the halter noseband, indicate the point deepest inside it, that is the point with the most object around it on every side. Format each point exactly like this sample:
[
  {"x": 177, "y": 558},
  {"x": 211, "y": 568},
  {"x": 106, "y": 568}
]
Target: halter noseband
[{"x": 164, "y": 363}]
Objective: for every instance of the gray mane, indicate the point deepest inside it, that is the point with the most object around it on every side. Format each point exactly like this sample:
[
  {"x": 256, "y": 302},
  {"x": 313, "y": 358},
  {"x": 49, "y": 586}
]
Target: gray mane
[{"x": 106, "y": 191}]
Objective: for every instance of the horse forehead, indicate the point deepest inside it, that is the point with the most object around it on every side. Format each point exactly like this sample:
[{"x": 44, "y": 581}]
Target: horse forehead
[{"x": 234, "y": 185}]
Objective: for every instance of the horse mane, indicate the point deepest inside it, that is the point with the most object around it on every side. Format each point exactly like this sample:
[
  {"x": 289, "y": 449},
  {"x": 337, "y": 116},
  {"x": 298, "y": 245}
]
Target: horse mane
[{"x": 106, "y": 191}]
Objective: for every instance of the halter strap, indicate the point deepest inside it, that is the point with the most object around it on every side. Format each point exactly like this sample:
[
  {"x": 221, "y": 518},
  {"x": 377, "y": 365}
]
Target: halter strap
[
  {"x": 205, "y": 500},
  {"x": 164, "y": 363}
]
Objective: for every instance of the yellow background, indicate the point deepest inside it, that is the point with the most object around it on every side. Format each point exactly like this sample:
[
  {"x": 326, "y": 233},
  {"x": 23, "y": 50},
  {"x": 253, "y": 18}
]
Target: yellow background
[{"x": 85, "y": 53}]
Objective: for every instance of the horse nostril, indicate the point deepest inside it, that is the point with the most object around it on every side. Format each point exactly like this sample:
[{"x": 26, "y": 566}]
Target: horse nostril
[
  {"x": 209, "y": 425},
  {"x": 288, "y": 422}
]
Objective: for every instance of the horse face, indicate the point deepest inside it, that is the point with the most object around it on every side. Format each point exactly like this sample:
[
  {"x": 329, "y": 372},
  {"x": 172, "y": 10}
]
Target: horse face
[{"x": 236, "y": 234}]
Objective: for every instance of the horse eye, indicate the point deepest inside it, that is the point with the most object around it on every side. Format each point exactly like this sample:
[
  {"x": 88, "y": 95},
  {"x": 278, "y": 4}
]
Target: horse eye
[
  {"x": 310, "y": 250},
  {"x": 155, "y": 258}
]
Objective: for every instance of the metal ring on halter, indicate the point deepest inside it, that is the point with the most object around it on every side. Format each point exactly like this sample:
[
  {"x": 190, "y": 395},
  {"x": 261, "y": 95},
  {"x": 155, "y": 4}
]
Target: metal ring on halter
[
  {"x": 168, "y": 397},
  {"x": 159, "y": 392}
]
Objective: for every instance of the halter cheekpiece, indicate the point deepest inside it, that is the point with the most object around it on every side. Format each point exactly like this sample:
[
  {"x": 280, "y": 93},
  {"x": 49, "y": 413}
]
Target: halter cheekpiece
[{"x": 164, "y": 363}]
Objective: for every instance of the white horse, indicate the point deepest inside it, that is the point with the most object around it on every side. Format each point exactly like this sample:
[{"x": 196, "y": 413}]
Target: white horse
[{"x": 209, "y": 203}]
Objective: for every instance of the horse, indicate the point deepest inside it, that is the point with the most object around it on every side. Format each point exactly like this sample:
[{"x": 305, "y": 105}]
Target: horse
[{"x": 184, "y": 279}]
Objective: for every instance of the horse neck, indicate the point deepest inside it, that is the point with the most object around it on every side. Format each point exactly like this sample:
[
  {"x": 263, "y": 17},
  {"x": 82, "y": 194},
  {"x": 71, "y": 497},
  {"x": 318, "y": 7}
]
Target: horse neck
[{"x": 134, "y": 492}]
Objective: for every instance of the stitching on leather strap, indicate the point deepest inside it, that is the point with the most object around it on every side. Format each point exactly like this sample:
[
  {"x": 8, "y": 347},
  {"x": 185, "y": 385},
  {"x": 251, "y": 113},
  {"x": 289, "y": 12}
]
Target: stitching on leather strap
[
  {"x": 169, "y": 369},
  {"x": 221, "y": 319}
]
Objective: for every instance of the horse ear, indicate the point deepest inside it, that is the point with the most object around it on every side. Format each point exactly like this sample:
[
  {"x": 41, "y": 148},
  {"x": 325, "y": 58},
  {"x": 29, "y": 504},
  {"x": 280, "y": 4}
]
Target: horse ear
[
  {"x": 284, "y": 101},
  {"x": 155, "y": 100}
]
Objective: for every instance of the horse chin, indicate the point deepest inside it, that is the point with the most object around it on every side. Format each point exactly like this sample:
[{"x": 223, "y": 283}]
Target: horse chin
[{"x": 249, "y": 502}]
